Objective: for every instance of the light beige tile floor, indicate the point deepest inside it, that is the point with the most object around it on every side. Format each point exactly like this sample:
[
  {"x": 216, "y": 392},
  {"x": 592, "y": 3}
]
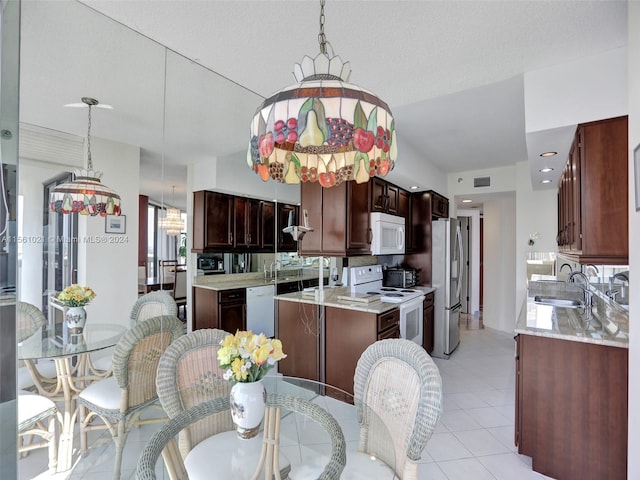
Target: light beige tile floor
[{"x": 473, "y": 440}]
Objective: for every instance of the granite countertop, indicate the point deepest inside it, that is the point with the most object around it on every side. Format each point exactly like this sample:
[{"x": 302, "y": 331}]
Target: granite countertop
[
  {"x": 331, "y": 299},
  {"x": 608, "y": 325},
  {"x": 246, "y": 280}
]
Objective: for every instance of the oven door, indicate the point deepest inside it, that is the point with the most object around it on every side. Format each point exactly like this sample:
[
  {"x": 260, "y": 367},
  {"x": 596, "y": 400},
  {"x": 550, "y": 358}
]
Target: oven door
[{"x": 411, "y": 320}]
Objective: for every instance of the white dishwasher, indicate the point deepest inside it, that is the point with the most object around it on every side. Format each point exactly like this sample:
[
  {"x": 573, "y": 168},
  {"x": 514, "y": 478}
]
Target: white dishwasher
[{"x": 260, "y": 310}]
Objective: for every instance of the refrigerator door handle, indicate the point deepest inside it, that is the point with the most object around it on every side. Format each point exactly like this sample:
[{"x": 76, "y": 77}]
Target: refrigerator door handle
[{"x": 460, "y": 261}]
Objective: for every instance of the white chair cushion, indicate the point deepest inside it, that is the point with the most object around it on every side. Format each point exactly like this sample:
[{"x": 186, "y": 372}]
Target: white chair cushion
[
  {"x": 105, "y": 394},
  {"x": 359, "y": 466},
  {"x": 30, "y": 406},
  {"x": 225, "y": 456},
  {"x": 102, "y": 363},
  {"x": 46, "y": 368}
]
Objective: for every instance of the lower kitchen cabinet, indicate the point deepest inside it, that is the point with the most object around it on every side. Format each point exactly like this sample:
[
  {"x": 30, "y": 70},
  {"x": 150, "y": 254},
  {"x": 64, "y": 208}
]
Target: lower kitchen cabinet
[
  {"x": 571, "y": 408},
  {"x": 427, "y": 323},
  {"x": 348, "y": 334},
  {"x": 223, "y": 309},
  {"x": 298, "y": 327}
]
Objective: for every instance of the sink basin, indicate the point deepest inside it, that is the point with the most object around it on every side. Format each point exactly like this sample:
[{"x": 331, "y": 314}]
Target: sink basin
[{"x": 558, "y": 302}]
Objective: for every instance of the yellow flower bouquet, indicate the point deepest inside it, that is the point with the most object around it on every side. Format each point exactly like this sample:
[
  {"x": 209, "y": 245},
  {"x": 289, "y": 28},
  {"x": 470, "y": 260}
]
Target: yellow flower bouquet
[
  {"x": 76, "y": 296},
  {"x": 247, "y": 357}
]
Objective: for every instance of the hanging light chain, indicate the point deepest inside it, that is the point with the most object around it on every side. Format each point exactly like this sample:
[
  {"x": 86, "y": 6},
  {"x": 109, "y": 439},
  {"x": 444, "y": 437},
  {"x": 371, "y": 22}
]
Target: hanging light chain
[
  {"x": 89, "y": 162},
  {"x": 322, "y": 39}
]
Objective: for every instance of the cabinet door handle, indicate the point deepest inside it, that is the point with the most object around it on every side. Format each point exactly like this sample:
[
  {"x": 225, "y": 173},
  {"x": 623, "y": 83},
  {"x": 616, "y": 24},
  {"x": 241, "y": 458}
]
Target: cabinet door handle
[{"x": 370, "y": 236}]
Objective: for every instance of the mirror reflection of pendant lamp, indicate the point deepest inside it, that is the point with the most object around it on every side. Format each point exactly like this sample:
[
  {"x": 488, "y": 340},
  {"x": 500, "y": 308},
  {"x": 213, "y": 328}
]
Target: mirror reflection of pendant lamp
[
  {"x": 172, "y": 222},
  {"x": 85, "y": 195},
  {"x": 322, "y": 128}
]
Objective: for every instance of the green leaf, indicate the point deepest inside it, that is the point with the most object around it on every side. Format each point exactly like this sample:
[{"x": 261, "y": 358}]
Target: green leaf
[
  {"x": 373, "y": 120},
  {"x": 359, "y": 117},
  {"x": 302, "y": 114},
  {"x": 322, "y": 120},
  {"x": 295, "y": 160}
]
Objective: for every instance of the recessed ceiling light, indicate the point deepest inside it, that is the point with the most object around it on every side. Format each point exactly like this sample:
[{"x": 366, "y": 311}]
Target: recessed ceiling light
[
  {"x": 548, "y": 154},
  {"x": 546, "y": 170},
  {"x": 414, "y": 187},
  {"x": 466, "y": 200},
  {"x": 545, "y": 181}
]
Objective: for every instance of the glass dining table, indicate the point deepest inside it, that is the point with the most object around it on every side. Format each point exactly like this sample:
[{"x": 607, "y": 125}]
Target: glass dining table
[
  {"x": 74, "y": 370},
  {"x": 303, "y": 441}
]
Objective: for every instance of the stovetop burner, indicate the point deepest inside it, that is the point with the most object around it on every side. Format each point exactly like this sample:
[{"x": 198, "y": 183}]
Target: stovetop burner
[
  {"x": 388, "y": 289},
  {"x": 373, "y": 293},
  {"x": 407, "y": 291},
  {"x": 394, "y": 294}
]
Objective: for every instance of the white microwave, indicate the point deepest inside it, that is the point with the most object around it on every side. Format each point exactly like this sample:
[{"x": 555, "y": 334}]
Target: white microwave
[{"x": 388, "y": 234}]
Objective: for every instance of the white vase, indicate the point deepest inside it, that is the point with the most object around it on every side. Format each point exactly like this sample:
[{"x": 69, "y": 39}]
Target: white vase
[
  {"x": 247, "y": 401},
  {"x": 75, "y": 318}
]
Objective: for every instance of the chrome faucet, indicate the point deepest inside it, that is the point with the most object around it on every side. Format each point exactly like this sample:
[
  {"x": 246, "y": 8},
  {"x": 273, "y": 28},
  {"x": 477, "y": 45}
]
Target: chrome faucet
[
  {"x": 565, "y": 265},
  {"x": 587, "y": 292}
]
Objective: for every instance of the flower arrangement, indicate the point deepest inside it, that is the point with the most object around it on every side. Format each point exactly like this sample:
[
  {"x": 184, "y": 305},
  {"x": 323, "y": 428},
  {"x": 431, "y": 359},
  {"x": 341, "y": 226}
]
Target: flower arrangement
[
  {"x": 76, "y": 296},
  {"x": 247, "y": 357}
]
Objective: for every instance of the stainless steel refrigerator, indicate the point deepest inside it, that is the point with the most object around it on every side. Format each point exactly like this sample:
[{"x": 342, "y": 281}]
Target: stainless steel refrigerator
[{"x": 447, "y": 263}]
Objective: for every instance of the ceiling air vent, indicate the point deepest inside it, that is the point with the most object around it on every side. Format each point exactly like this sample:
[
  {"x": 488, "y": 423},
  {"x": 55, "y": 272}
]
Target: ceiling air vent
[{"x": 482, "y": 182}]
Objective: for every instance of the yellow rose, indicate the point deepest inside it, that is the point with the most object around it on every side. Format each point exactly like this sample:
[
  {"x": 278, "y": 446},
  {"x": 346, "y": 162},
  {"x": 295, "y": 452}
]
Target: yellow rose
[
  {"x": 277, "y": 352},
  {"x": 261, "y": 354},
  {"x": 224, "y": 355}
]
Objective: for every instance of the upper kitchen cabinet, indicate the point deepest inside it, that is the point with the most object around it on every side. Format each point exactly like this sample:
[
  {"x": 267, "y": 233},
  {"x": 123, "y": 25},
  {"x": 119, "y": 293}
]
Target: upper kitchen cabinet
[
  {"x": 213, "y": 221},
  {"x": 247, "y": 223},
  {"x": 593, "y": 195},
  {"x": 339, "y": 217},
  {"x": 439, "y": 205},
  {"x": 384, "y": 196},
  {"x": 286, "y": 243},
  {"x": 268, "y": 228}
]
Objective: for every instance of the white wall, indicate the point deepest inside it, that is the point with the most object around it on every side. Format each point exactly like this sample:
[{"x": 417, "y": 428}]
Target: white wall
[
  {"x": 591, "y": 88},
  {"x": 108, "y": 262},
  {"x": 424, "y": 174},
  {"x": 536, "y": 212},
  {"x": 502, "y": 180},
  {"x": 634, "y": 253},
  {"x": 498, "y": 263}
]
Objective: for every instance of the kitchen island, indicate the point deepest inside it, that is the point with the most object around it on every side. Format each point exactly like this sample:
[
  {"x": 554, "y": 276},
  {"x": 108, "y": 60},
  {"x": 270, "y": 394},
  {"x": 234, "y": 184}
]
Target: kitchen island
[
  {"x": 325, "y": 332},
  {"x": 571, "y": 385}
]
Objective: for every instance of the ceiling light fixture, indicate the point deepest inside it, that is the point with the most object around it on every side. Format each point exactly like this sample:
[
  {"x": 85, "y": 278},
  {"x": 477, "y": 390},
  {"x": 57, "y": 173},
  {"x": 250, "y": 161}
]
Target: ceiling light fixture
[
  {"x": 414, "y": 187},
  {"x": 466, "y": 200},
  {"x": 545, "y": 181},
  {"x": 546, "y": 170},
  {"x": 322, "y": 128},
  {"x": 172, "y": 221},
  {"x": 548, "y": 154},
  {"x": 85, "y": 194}
]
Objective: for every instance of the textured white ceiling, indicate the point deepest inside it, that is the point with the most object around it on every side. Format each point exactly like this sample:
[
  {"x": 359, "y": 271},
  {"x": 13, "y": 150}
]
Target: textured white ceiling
[{"x": 451, "y": 71}]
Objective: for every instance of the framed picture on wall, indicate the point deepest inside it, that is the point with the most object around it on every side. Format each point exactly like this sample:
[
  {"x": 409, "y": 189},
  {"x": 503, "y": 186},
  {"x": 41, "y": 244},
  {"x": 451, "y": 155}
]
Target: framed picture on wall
[
  {"x": 636, "y": 174},
  {"x": 115, "y": 224}
]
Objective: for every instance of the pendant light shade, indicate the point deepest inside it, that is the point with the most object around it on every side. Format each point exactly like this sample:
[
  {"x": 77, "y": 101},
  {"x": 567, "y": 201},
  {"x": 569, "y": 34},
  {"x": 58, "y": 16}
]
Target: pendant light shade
[
  {"x": 322, "y": 128},
  {"x": 85, "y": 195}
]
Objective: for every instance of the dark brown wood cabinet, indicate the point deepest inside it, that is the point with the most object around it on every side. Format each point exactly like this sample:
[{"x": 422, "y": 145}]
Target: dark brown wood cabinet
[
  {"x": 384, "y": 196},
  {"x": 213, "y": 221},
  {"x": 298, "y": 327},
  {"x": 348, "y": 334},
  {"x": 268, "y": 226},
  {"x": 247, "y": 223},
  {"x": 340, "y": 218},
  {"x": 571, "y": 408},
  {"x": 439, "y": 205},
  {"x": 224, "y": 309},
  {"x": 593, "y": 195},
  {"x": 286, "y": 243},
  {"x": 427, "y": 322}
]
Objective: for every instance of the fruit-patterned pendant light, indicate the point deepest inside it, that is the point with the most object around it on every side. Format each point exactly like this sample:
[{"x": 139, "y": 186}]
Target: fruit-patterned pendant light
[
  {"x": 322, "y": 128},
  {"x": 85, "y": 194}
]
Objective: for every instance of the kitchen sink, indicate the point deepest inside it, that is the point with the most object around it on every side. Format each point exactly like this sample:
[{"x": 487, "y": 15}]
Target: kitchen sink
[{"x": 558, "y": 302}]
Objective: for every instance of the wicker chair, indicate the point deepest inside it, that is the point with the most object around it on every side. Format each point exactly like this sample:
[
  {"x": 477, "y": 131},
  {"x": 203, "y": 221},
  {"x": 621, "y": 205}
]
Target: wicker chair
[
  {"x": 189, "y": 375},
  {"x": 399, "y": 381},
  {"x": 37, "y": 415},
  {"x": 152, "y": 305},
  {"x": 163, "y": 441},
  {"x": 147, "y": 306},
  {"x": 120, "y": 399},
  {"x": 29, "y": 319}
]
